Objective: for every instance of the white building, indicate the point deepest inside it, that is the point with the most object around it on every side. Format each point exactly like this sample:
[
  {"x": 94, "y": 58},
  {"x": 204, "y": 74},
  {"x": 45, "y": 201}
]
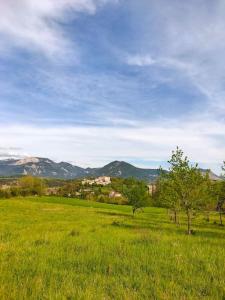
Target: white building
[
  {"x": 151, "y": 189},
  {"x": 114, "y": 194}
]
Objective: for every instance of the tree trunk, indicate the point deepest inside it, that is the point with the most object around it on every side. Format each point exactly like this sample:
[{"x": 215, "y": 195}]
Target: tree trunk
[
  {"x": 189, "y": 221},
  {"x": 133, "y": 209},
  {"x": 168, "y": 213},
  {"x": 171, "y": 215},
  {"x": 221, "y": 218},
  {"x": 207, "y": 216},
  {"x": 175, "y": 216}
]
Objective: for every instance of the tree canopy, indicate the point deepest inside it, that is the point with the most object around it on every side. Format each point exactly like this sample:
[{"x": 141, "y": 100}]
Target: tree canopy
[{"x": 137, "y": 195}]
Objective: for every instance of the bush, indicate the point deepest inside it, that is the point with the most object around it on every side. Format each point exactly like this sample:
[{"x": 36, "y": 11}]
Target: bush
[{"x": 5, "y": 193}]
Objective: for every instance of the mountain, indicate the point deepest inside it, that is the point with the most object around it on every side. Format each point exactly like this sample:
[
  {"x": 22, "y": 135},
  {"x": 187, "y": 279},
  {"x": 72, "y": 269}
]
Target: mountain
[
  {"x": 124, "y": 170},
  {"x": 212, "y": 175},
  {"x": 44, "y": 167}
]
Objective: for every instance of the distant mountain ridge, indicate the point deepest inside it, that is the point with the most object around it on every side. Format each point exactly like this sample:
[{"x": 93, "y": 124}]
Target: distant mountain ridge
[{"x": 44, "y": 167}]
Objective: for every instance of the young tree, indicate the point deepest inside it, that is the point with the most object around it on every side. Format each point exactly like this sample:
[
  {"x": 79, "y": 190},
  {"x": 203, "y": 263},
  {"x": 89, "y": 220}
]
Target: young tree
[
  {"x": 166, "y": 194},
  {"x": 221, "y": 203},
  {"x": 210, "y": 202},
  {"x": 221, "y": 197},
  {"x": 30, "y": 185},
  {"x": 70, "y": 189},
  {"x": 218, "y": 196},
  {"x": 137, "y": 196},
  {"x": 187, "y": 184}
]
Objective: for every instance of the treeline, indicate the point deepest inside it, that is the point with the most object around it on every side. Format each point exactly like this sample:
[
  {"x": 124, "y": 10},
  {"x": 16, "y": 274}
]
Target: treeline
[{"x": 24, "y": 186}]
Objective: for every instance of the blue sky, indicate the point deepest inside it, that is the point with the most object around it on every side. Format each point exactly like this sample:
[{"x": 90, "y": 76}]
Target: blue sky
[{"x": 91, "y": 81}]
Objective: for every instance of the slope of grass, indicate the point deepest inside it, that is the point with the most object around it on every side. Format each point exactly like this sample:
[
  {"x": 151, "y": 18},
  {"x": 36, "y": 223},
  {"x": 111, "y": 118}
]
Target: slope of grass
[{"x": 55, "y": 248}]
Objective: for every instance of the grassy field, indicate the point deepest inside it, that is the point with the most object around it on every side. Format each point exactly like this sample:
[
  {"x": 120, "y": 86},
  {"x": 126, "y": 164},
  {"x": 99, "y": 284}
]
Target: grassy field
[{"x": 55, "y": 248}]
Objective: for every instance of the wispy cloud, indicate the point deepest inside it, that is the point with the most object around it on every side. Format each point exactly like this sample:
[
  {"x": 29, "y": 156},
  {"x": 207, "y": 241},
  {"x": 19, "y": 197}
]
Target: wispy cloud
[
  {"x": 35, "y": 25},
  {"x": 188, "y": 37}
]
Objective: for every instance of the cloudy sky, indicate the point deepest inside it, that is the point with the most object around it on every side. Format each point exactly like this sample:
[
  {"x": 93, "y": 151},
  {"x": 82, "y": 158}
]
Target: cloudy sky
[{"x": 91, "y": 81}]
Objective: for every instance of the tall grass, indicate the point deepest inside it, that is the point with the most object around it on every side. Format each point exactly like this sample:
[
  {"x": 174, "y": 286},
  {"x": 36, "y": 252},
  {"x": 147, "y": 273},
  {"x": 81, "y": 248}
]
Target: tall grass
[{"x": 56, "y": 248}]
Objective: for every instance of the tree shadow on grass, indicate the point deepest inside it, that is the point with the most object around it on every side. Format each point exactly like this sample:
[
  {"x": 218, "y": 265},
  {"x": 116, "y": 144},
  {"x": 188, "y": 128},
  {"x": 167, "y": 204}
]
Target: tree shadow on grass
[
  {"x": 140, "y": 220},
  {"x": 210, "y": 234},
  {"x": 114, "y": 214},
  {"x": 173, "y": 230},
  {"x": 135, "y": 225},
  {"x": 123, "y": 225}
]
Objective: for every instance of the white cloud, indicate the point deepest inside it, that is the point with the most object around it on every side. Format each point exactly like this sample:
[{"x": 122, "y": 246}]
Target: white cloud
[
  {"x": 34, "y": 25},
  {"x": 95, "y": 146},
  {"x": 140, "y": 60}
]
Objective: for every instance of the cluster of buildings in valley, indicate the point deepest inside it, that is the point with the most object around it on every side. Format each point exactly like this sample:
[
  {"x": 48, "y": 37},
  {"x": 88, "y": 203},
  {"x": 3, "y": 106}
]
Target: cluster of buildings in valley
[
  {"x": 102, "y": 180},
  {"x": 86, "y": 187},
  {"x": 105, "y": 180}
]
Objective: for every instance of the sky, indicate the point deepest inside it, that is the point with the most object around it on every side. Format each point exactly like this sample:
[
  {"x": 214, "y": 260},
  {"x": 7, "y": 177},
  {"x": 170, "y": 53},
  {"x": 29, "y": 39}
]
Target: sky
[{"x": 92, "y": 81}]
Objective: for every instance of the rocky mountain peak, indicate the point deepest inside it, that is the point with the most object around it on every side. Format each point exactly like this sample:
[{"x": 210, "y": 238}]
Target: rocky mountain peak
[{"x": 26, "y": 160}]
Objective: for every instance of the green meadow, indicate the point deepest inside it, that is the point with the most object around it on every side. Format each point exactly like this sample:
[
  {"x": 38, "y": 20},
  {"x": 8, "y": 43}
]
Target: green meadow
[{"x": 57, "y": 248}]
